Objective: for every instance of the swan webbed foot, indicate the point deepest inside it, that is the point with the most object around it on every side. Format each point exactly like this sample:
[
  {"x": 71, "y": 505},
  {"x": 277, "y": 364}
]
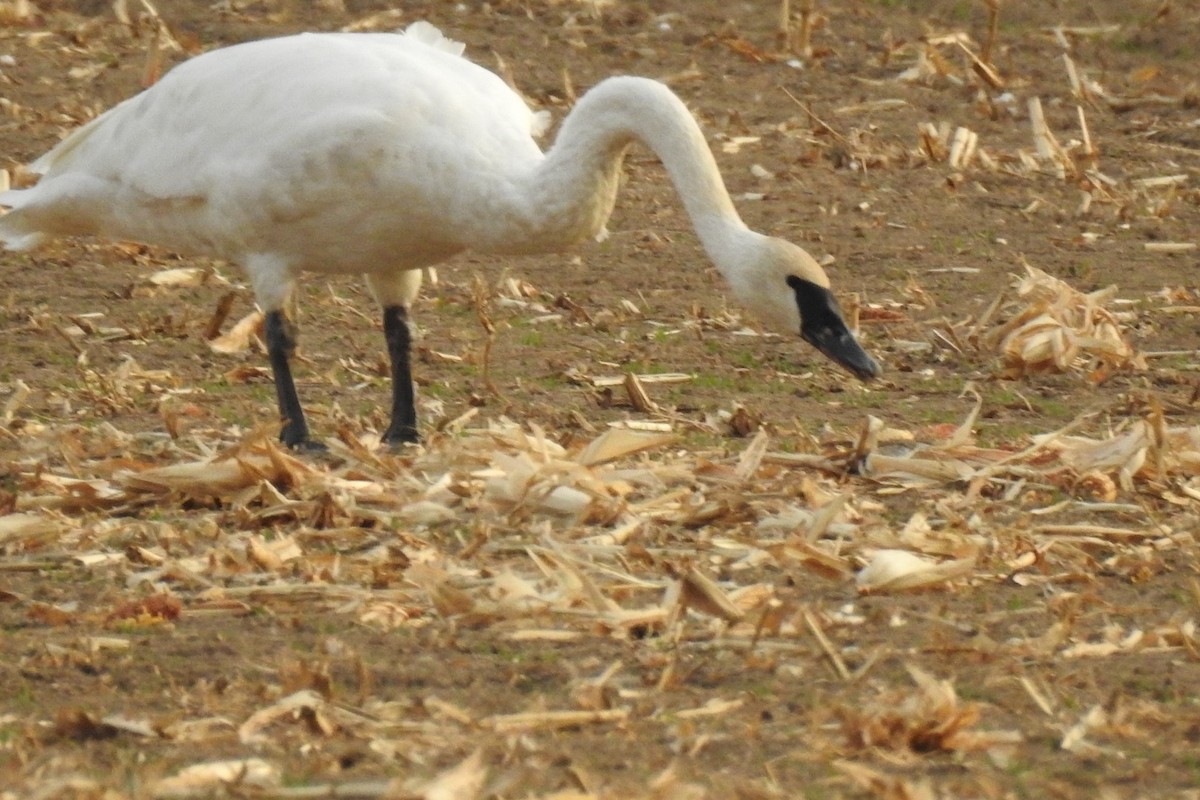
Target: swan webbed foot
[
  {"x": 397, "y": 437},
  {"x": 307, "y": 446}
]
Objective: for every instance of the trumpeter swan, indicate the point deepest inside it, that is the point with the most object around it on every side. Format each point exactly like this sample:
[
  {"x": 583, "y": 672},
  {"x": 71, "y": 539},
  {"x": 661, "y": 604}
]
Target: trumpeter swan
[{"x": 380, "y": 154}]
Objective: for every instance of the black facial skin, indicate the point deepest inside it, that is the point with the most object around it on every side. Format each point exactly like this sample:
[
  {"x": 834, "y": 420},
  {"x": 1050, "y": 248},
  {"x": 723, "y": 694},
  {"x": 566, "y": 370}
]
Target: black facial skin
[{"x": 822, "y": 326}]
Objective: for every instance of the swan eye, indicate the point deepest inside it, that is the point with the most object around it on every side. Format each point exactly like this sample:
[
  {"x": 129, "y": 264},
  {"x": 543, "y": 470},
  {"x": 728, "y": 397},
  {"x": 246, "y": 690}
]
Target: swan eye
[{"x": 818, "y": 307}]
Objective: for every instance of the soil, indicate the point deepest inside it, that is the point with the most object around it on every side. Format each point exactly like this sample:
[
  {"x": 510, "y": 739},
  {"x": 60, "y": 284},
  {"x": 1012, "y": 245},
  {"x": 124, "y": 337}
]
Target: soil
[{"x": 823, "y": 150}]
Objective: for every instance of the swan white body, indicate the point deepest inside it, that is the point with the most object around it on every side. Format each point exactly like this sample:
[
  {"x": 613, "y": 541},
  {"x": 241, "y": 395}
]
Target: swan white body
[{"x": 379, "y": 154}]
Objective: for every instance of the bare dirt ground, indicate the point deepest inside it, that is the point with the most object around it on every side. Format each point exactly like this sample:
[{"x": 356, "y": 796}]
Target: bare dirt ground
[{"x": 497, "y": 614}]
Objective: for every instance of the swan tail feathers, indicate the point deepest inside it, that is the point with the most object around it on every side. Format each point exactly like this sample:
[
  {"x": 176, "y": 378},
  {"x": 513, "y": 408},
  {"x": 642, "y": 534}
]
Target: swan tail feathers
[
  {"x": 15, "y": 231},
  {"x": 18, "y": 231},
  {"x": 61, "y": 153}
]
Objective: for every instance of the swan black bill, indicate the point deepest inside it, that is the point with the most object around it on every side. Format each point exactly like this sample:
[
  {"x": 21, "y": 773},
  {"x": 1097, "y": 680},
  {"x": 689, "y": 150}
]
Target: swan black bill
[
  {"x": 843, "y": 349},
  {"x": 822, "y": 326}
]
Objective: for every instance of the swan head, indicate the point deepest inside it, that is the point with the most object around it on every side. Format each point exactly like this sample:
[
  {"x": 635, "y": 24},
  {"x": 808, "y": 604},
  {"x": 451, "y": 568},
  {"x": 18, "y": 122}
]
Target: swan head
[{"x": 789, "y": 291}]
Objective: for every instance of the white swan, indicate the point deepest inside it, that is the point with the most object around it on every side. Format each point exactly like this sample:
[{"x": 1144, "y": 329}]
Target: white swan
[{"x": 380, "y": 154}]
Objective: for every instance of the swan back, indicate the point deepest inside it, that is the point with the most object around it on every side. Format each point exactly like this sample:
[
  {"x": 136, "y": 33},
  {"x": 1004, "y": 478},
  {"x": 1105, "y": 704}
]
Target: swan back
[{"x": 353, "y": 152}]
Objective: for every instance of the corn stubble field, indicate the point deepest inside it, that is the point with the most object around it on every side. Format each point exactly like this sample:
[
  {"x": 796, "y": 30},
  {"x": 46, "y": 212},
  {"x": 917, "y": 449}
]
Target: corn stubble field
[{"x": 645, "y": 550}]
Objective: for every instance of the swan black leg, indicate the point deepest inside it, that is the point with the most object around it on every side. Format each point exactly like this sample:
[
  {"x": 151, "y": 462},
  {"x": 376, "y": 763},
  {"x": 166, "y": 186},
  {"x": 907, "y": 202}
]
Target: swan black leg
[
  {"x": 399, "y": 343},
  {"x": 281, "y": 344}
]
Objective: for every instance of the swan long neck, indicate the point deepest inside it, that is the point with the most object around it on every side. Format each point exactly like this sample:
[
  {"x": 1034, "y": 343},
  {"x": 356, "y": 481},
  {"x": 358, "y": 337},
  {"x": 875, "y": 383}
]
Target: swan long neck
[{"x": 581, "y": 170}]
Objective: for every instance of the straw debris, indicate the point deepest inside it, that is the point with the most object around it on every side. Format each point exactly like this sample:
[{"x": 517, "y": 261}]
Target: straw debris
[
  {"x": 1048, "y": 326},
  {"x": 755, "y": 578}
]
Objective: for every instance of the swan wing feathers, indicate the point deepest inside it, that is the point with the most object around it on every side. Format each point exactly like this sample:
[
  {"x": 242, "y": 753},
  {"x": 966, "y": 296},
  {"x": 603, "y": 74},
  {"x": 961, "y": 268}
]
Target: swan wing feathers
[
  {"x": 241, "y": 139},
  {"x": 426, "y": 33}
]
